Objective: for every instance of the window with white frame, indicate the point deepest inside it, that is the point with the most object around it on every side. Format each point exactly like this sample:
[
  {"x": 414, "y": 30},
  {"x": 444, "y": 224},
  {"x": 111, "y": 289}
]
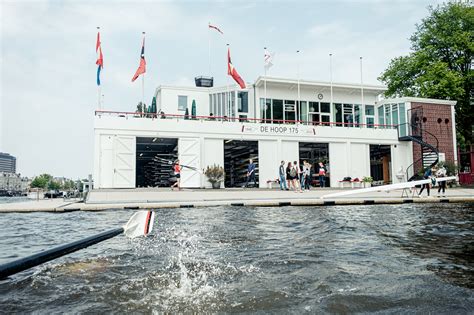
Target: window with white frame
[{"x": 182, "y": 102}]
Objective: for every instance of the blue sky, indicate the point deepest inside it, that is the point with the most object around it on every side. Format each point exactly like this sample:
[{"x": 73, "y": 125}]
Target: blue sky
[{"x": 48, "y": 92}]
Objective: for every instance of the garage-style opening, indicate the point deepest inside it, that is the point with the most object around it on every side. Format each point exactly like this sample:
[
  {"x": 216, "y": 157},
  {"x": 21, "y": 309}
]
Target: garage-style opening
[
  {"x": 314, "y": 153},
  {"x": 236, "y": 160},
  {"x": 380, "y": 164},
  {"x": 153, "y": 168}
]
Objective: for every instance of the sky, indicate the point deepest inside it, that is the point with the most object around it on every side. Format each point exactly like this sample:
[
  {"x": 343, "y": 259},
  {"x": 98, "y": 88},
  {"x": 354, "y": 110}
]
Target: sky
[{"x": 48, "y": 90}]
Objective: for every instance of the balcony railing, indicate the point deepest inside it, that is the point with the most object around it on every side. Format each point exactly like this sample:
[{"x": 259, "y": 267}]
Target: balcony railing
[{"x": 223, "y": 119}]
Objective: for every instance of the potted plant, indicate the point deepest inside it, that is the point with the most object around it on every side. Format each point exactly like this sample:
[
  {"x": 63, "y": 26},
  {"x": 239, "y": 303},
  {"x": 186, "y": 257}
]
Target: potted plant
[
  {"x": 215, "y": 175},
  {"x": 367, "y": 180}
]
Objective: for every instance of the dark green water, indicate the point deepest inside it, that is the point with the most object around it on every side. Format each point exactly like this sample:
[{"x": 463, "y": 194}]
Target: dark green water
[{"x": 342, "y": 259}]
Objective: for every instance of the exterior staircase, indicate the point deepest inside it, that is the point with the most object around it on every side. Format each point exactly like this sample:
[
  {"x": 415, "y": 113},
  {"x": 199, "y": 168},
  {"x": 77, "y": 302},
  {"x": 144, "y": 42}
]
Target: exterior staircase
[{"x": 415, "y": 132}]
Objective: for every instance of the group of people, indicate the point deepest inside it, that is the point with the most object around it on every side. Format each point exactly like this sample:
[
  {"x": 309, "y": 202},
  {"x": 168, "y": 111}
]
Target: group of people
[
  {"x": 438, "y": 172},
  {"x": 299, "y": 176}
]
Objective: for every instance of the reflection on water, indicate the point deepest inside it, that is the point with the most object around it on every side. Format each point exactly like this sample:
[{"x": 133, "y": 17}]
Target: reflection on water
[{"x": 416, "y": 258}]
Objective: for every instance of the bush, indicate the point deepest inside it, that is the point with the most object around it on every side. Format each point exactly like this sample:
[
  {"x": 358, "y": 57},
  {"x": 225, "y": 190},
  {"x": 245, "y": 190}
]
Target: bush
[{"x": 215, "y": 173}]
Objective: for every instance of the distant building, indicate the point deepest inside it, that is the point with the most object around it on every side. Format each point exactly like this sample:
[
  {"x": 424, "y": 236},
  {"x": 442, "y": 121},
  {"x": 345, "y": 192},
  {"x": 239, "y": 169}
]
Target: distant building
[{"x": 7, "y": 163}]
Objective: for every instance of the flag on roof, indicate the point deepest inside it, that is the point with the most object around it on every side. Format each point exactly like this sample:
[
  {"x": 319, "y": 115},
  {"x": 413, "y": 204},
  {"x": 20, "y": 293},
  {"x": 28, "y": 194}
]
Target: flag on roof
[
  {"x": 142, "y": 67},
  {"x": 268, "y": 59},
  {"x": 216, "y": 28},
  {"x": 100, "y": 58},
  {"x": 233, "y": 72}
]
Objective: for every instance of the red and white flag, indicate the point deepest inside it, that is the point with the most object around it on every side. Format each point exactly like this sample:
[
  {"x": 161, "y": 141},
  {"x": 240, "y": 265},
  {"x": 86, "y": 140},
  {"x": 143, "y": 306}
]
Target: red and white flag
[
  {"x": 100, "y": 58},
  {"x": 142, "y": 67},
  {"x": 216, "y": 28},
  {"x": 233, "y": 72},
  {"x": 268, "y": 59}
]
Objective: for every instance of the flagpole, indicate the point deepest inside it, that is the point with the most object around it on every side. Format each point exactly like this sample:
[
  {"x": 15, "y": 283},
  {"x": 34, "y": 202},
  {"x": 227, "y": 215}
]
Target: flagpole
[
  {"x": 361, "y": 84},
  {"x": 265, "y": 89},
  {"x": 228, "y": 105},
  {"x": 209, "y": 36},
  {"x": 99, "y": 87},
  {"x": 143, "y": 81},
  {"x": 298, "y": 75},
  {"x": 330, "y": 77}
]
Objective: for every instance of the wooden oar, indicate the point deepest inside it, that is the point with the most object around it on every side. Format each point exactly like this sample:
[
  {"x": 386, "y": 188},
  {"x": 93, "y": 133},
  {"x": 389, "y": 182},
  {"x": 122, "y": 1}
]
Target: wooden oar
[{"x": 140, "y": 224}]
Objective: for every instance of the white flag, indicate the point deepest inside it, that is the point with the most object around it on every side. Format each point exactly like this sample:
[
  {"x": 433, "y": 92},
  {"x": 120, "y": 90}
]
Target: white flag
[{"x": 268, "y": 59}]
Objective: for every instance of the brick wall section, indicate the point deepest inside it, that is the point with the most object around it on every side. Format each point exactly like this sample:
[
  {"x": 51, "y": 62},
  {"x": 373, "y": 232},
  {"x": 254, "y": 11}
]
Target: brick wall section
[{"x": 442, "y": 131}]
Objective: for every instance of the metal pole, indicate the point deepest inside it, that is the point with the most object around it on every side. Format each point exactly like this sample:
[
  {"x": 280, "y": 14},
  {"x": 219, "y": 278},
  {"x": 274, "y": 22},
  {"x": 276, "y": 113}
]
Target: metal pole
[
  {"x": 330, "y": 77},
  {"x": 99, "y": 87},
  {"x": 265, "y": 90},
  {"x": 227, "y": 94},
  {"x": 209, "y": 36},
  {"x": 361, "y": 83},
  {"x": 298, "y": 74},
  {"x": 143, "y": 80}
]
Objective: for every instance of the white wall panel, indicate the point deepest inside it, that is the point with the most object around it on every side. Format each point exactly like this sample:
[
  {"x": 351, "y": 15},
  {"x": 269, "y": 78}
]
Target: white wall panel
[
  {"x": 290, "y": 152},
  {"x": 338, "y": 155},
  {"x": 212, "y": 153},
  {"x": 358, "y": 160},
  {"x": 402, "y": 157},
  {"x": 268, "y": 161}
]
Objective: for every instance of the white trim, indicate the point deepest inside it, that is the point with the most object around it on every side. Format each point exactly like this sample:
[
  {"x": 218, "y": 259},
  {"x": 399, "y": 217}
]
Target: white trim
[
  {"x": 416, "y": 100},
  {"x": 379, "y": 88},
  {"x": 455, "y": 145}
]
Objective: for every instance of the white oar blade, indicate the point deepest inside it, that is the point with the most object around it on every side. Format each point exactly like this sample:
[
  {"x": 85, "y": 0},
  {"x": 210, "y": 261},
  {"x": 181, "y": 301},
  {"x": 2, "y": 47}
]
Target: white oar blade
[{"x": 140, "y": 224}]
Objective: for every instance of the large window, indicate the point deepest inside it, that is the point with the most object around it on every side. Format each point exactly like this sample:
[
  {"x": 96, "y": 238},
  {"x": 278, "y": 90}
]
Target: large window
[
  {"x": 393, "y": 114},
  {"x": 266, "y": 110},
  {"x": 319, "y": 113},
  {"x": 369, "y": 116},
  {"x": 338, "y": 114},
  {"x": 243, "y": 102},
  {"x": 290, "y": 112},
  {"x": 277, "y": 110},
  {"x": 303, "y": 111},
  {"x": 182, "y": 102}
]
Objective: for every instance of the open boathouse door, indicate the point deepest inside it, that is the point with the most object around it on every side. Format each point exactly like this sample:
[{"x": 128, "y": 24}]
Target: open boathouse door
[
  {"x": 380, "y": 164},
  {"x": 237, "y": 154},
  {"x": 152, "y": 156}
]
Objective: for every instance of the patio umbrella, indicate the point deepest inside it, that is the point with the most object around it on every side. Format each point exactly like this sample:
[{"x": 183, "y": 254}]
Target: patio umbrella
[{"x": 186, "y": 114}]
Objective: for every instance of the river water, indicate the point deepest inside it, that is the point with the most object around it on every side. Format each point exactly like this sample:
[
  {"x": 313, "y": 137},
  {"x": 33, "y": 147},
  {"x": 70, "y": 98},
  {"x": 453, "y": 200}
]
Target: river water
[{"x": 340, "y": 259}]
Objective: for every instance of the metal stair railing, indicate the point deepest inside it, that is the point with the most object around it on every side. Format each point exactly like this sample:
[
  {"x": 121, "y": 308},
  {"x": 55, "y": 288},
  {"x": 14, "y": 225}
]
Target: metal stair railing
[{"x": 428, "y": 142}]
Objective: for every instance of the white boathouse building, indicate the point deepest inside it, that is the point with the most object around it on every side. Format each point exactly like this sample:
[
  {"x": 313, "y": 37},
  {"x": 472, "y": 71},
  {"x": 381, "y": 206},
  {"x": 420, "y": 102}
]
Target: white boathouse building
[{"x": 351, "y": 128}]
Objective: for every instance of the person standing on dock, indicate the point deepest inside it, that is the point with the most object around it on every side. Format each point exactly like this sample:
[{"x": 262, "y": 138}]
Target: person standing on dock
[
  {"x": 426, "y": 175},
  {"x": 281, "y": 173},
  {"x": 250, "y": 174},
  {"x": 442, "y": 184},
  {"x": 322, "y": 175},
  {"x": 307, "y": 175},
  {"x": 295, "y": 175},
  {"x": 288, "y": 175},
  {"x": 177, "y": 173}
]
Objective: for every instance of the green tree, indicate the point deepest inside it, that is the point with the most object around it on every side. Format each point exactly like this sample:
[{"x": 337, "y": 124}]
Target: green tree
[
  {"x": 54, "y": 185},
  {"x": 439, "y": 65},
  {"x": 41, "y": 181},
  {"x": 69, "y": 184}
]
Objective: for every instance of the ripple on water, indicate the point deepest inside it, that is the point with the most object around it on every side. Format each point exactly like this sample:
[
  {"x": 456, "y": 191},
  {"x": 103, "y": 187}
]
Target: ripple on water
[{"x": 416, "y": 258}]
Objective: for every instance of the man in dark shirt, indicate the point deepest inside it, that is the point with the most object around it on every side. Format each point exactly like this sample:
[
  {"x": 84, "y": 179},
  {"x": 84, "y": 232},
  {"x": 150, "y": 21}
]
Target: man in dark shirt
[
  {"x": 250, "y": 174},
  {"x": 281, "y": 172}
]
